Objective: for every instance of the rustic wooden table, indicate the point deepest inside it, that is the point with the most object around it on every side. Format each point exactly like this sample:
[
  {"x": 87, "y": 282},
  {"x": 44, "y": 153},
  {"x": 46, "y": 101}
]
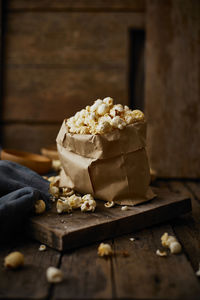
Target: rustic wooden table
[{"x": 141, "y": 275}]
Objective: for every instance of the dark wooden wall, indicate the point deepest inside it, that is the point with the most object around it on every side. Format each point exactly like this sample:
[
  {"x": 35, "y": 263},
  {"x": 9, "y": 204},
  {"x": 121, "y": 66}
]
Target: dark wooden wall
[
  {"x": 173, "y": 86},
  {"x": 60, "y": 56}
]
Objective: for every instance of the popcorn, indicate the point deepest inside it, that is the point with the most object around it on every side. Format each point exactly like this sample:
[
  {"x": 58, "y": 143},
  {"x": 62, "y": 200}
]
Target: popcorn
[
  {"x": 161, "y": 253},
  {"x": 14, "y": 260},
  {"x": 125, "y": 207},
  {"x": 75, "y": 201},
  {"x": 88, "y": 205},
  {"x": 54, "y": 275},
  {"x": 102, "y": 109},
  {"x": 108, "y": 101},
  {"x": 103, "y": 117},
  {"x": 109, "y": 204},
  {"x": 40, "y": 207},
  {"x": 198, "y": 271},
  {"x": 42, "y": 248},
  {"x": 105, "y": 250},
  {"x": 63, "y": 206},
  {"x": 171, "y": 242}
]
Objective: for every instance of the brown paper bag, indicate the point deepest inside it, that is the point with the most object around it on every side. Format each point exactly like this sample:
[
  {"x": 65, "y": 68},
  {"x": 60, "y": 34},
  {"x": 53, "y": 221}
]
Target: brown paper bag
[{"x": 111, "y": 167}]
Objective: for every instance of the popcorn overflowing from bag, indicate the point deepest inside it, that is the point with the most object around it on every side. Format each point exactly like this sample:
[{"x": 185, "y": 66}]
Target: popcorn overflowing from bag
[
  {"x": 103, "y": 117},
  {"x": 102, "y": 153}
]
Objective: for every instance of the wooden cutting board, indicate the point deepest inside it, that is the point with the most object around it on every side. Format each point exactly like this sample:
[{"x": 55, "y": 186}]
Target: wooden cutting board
[{"x": 66, "y": 231}]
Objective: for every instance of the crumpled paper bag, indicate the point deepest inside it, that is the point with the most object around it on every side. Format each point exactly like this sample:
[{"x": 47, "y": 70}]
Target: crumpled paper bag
[{"x": 111, "y": 167}]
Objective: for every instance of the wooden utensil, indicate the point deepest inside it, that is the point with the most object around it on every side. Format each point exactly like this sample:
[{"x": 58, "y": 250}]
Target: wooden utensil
[{"x": 36, "y": 162}]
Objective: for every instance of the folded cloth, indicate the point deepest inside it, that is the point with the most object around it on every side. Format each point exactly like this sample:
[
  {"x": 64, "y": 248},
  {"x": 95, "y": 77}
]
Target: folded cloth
[{"x": 20, "y": 188}]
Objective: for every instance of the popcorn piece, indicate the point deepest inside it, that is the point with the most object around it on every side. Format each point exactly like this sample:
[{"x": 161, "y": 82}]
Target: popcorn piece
[
  {"x": 75, "y": 201},
  {"x": 88, "y": 205},
  {"x": 42, "y": 248},
  {"x": 103, "y": 127},
  {"x": 56, "y": 164},
  {"x": 102, "y": 109},
  {"x": 105, "y": 250},
  {"x": 171, "y": 242},
  {"x": 40, "y": 206},
  {"x": 198, "y": 271},
  {"x": 161, "y": 253},
  {"x": 14, "y": 260},
  {"x": 87, "y": 197},
  {"x": 108, "y": 101},
  {"x": 167, "y": 239},
  {"x": 124, "y": 208},
  {"x": 63, "y": 206},
  {"x": 53, "y": 189},
  {"x": 117, "y": 122},
  {"x": 132, "y": 239},
  {"x": 54, "y": 275},
  {"x": 109, "y": 204},
  {"x": 138, "y": 115},
  {"x": 175, "y": 247}
]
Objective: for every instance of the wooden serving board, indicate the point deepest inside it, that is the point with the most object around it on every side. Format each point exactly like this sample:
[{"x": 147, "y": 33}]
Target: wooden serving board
[{"x": 66, "y": 231}]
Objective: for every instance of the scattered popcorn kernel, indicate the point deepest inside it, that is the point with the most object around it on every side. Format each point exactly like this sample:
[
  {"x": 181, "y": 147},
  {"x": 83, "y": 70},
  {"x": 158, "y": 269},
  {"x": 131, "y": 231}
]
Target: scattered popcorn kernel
[
  {"x": 124, "y": 207},
  {"x": 56, "y": 164},
  {"x": 74, "y": 201},
  {"x": 161, "y": 253},
  {"x": 40, "y": 206},
  {"x": 14, "y": 260},
  {"x": 167, "y": 239},
  {"x": 132, "y": 239},
  {"x": 54, "y": 275},
  {"x": 87, "y": 197},
  {"x": 42, "y": 248},
  {"x": 105, "y": 250},
  {"x": 198, "y": 271},
  {"x": 54, "y": 190},
  {"x": 109, "y": 204},
  {"x": 171, "y": 242},
  {"x": 63, "y": 206},
  {"x": 175, "y": 247},
  {"x": 88, "y": 205}
]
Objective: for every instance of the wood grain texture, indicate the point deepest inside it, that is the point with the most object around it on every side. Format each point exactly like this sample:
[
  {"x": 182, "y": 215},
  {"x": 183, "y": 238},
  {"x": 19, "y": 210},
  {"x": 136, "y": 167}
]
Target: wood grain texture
[
  {"x": 83, "y": 5},
  {"x": 172, "y": 87},
  {"x": 29, "y": 137},
  {"x": 39, "y": 94},
  {"x": 68, "y": 231},
  {"x": 144, "y": 275},
  {"x": 86, "y": 39},
  {"x": 87, "y": 275},
  {"x": 30, "y": 281},
  {"x": 187, "y": 228}
]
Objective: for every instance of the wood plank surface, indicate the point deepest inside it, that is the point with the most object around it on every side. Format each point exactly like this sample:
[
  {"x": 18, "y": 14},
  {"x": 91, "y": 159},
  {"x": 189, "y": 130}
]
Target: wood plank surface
[
  {"x": 87, "y": 276},
  {"x": 77, "y": 229},
  {"x": 144, "y": 275},
  {"x": 30, "y": 137},
  {"x": 172, "y": 87},
  {"x": 78, "y": 5},
  {"x": 53, "y": 94},
  {"x": 30, "y": 281},
  {"x": 187, "y": 227},
  {"x": 70, "y": 38}
]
